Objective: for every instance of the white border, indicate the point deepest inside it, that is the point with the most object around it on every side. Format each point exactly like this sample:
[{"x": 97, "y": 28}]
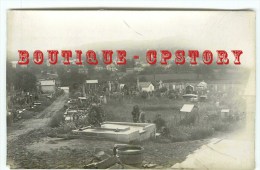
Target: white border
[{"x": 179, "y": 4}]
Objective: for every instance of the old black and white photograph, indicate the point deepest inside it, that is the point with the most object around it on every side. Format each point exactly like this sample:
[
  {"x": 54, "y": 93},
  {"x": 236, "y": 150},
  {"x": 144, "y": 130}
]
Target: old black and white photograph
[{"x": 130, "y": 89}]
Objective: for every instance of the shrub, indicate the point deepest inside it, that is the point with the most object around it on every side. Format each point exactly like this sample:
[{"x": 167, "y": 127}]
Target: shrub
[
  {"x": 66, "y": 127},
  {"x": 82, "y": 122},
  {"x": 171, "y": 96},
  {"x": 27, "y": 114},
  {"x": 158, "y": 94},
  {"x": 221, "y": 126},
  {"x": 178, "y": 135},
  {"x": 201, "y": 132},
  {"x": 188, "y": 120},
  {"x": 163, "y": 89},
  {"x": 144, "y": 95},
  {"x": 57, "y": 118}
]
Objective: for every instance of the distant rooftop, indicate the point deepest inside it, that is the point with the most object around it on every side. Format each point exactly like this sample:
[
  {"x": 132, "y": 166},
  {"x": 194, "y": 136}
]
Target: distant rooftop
[
  {"x": 91, "y": 81},
  {"x": 47, "y": 82},
  {"x": 144, "y": 84}
]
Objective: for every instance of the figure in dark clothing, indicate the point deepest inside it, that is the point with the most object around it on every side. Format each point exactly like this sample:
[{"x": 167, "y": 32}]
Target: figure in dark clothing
[
  {"x": 161, "y": 126},
  {"x": 136, "y": 113},
  {"x": 159, "y": 123},
  {"x": 95, "y": 116}
]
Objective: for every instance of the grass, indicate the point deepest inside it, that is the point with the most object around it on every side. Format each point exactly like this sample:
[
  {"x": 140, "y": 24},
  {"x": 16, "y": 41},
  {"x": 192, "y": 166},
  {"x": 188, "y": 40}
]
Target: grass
[
  {"x": 57, "y": 119},
  {"x": 121, "y": 111},
  {"x": 180, "y": 129}
]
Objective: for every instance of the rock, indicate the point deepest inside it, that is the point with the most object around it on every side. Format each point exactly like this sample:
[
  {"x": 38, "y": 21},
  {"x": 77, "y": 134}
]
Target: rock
[
  {"x": 149, "y": 165},
  {"x": 101, "y": 155}
]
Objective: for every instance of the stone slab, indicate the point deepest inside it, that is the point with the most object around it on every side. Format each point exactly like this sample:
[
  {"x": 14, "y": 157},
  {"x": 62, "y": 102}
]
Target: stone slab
[{"x": 121, "y": 131}]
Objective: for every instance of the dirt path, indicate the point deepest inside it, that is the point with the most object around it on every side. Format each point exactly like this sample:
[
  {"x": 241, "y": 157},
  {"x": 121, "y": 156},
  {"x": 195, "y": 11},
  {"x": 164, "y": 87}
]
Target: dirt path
[{"x": 40, "y": 121}]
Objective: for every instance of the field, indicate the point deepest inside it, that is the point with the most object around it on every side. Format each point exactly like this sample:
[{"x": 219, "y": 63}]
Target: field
[
  {"x": 182, "y": 127},
  {"x": 38, "y": 142}
]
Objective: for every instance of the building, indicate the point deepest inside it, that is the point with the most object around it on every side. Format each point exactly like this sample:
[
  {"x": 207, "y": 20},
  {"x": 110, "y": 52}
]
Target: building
[
  {"x": 65, "y": 89},
  {"x": 146, "y": 86},
  {"x": 91, "y": 84},
  {"x": 47, "y": 86}
]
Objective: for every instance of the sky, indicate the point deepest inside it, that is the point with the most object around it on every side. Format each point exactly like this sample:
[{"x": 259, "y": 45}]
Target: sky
[{"x": 98, "y": 29}]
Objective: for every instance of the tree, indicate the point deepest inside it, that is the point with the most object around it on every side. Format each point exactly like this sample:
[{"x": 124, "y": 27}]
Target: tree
[
  {"x": 72, "y": 78},
  {"x": 129, "y": 64},
  {"x": 129, "y": 79},
  {"x": 142, "y": 79},
  {"x": 25, "y": 81},
  {"x": 10, "y": 76}
]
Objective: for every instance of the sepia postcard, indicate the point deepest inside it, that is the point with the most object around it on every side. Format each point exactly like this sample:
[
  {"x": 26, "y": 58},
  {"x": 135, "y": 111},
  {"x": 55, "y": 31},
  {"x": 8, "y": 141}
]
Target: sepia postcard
[{"x": 130, "y": 89}]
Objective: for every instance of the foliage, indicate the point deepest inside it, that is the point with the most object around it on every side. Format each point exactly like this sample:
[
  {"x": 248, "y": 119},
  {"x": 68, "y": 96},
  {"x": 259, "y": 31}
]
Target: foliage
[
  {"x": 163, "y": 89},
  {"x": 10, "y": 75},
  {"x": 70, "y": 77},
  {"x": 144, "y": 95},
  {"x": 25, "y": 81},
  {"x": 129, "y": 79},
  {"x": 142, "y": 79},
  {"x": 27, "y": 114},
  {"x": 66, "y": 127},
  {"x": 188, "y": 120},
  {"x": 57, "y": 119},
  {"x": 129, "y": 64},
  {"x": 201, "y": 132}
]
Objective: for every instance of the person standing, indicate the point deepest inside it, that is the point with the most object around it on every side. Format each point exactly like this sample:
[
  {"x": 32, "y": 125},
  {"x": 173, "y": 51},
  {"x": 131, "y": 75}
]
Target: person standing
[
  {"x": 136, "y": 113},
  {"x": 142, "y": 117}
]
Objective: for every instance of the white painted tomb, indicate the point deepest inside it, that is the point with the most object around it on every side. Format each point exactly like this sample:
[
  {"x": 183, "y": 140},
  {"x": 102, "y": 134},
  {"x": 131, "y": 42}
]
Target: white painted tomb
[{"x": 120, "y": 131}]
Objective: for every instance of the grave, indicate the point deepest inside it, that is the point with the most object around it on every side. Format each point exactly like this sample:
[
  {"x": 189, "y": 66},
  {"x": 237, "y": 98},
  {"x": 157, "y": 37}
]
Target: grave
[{"x": 120, "y": 131}]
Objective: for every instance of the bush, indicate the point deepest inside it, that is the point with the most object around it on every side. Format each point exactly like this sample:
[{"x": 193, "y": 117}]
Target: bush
[
  {"x": 66, "y": 127},
  {"x": 27, "y": 114},
  {"x": 185, "y": 133},
  {"x": 178, "y": 135},
  {"x": 201, "y": 132},
  {"x": 144, "y": 95},
  {"x": 158, "y": 94},
  {"x": 57, "y": 119},
  {"x": 163, "y": 89},
  {"x": 82, "y": 122},
  {"x": 188, "y": 120},
  {"x": 171, "y": 96},
  {"x": 221, "y": 126}
]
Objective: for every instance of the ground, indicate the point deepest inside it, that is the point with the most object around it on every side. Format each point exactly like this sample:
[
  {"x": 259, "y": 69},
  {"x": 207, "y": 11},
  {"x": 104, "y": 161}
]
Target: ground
[
  {"x": 41, "y": 120},
  {"x": 30, "y": 147},
  {"x": 36, "y": 150}
]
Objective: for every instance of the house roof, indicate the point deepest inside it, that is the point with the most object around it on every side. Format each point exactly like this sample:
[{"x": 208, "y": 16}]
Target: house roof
[
  {"x": 91, "y": 81},
  {"x": 64, "y": 88},
  {"x": 47, "y": 82},
  {"x": 122, "y": 85},
  {"x": 225, "y": 110},
  {"x": 144, "y": 84},
  {"x": 187, "y": 108},
  {"x": 82, "y": 98}
]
